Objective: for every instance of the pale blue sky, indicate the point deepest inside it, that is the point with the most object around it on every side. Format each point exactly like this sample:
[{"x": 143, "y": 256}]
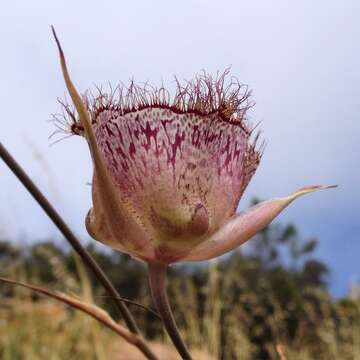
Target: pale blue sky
[{"x": 301, "y": 58}]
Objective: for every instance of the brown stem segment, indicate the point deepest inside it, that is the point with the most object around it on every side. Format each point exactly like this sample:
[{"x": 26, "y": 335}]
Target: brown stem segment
[
  {"x": 157, "y": 278},
  {"x": 74, "y": 242}
]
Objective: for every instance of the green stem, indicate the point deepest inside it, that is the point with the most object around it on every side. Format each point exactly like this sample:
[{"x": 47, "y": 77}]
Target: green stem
[
  {"x": 75, "y": 243},
  {"x": 157, "y": 277}
]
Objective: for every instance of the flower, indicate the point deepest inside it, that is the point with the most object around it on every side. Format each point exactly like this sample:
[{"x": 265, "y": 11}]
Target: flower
[{"x": 169, "y": 174}]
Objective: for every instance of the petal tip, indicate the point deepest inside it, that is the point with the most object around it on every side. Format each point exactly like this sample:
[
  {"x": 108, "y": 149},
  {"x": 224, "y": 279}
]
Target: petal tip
[
  {"x": 309, "y": 189},
  {"x": 316, "y": 187},
  {"x": 330, "y": 186}
]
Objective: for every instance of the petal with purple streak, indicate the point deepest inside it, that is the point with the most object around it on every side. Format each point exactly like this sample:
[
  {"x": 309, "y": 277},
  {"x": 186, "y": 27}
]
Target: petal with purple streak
[{"x": 182, "y": 174}]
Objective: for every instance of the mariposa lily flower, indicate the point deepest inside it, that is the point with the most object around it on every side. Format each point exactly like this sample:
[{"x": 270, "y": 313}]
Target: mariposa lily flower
[{"x": 169, "y": 174}]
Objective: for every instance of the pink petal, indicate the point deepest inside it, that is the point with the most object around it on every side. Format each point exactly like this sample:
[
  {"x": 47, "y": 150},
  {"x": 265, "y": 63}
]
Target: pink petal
[
  {"x": 132, "y": 239},
  {"x": 181, "y": 174},
  {"x": 107, "y": 200},
  {"x": 244, "y": 226}
]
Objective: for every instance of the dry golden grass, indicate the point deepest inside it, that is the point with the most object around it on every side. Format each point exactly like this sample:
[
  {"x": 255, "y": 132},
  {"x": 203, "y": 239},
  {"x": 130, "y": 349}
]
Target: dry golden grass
[
  {"x": 38, "y": 328},
  {"x": 44, "y": 329}
]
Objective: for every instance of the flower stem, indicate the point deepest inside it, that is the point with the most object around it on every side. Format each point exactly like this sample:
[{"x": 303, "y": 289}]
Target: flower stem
[
  {"x": 157, "y": 277},
  {"x": 75, "y": 243}
]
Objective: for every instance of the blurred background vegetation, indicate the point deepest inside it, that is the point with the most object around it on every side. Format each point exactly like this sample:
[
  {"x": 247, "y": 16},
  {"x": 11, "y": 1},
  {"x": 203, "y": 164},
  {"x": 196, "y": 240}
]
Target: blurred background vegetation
[{"x": 269, "y": 301}]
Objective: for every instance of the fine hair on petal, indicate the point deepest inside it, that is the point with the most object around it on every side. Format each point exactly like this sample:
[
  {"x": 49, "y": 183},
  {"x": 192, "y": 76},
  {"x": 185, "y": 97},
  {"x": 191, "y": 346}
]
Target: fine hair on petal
[{"x": 204, "y": 95}]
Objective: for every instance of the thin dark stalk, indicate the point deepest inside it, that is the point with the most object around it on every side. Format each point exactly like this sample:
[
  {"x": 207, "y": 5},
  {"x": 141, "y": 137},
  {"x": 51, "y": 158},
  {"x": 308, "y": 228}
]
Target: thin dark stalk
[
  {"x": 157, "y": 277},
  {"x": 74, "y": 242},
  {"x": 131, "y": 302}
]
